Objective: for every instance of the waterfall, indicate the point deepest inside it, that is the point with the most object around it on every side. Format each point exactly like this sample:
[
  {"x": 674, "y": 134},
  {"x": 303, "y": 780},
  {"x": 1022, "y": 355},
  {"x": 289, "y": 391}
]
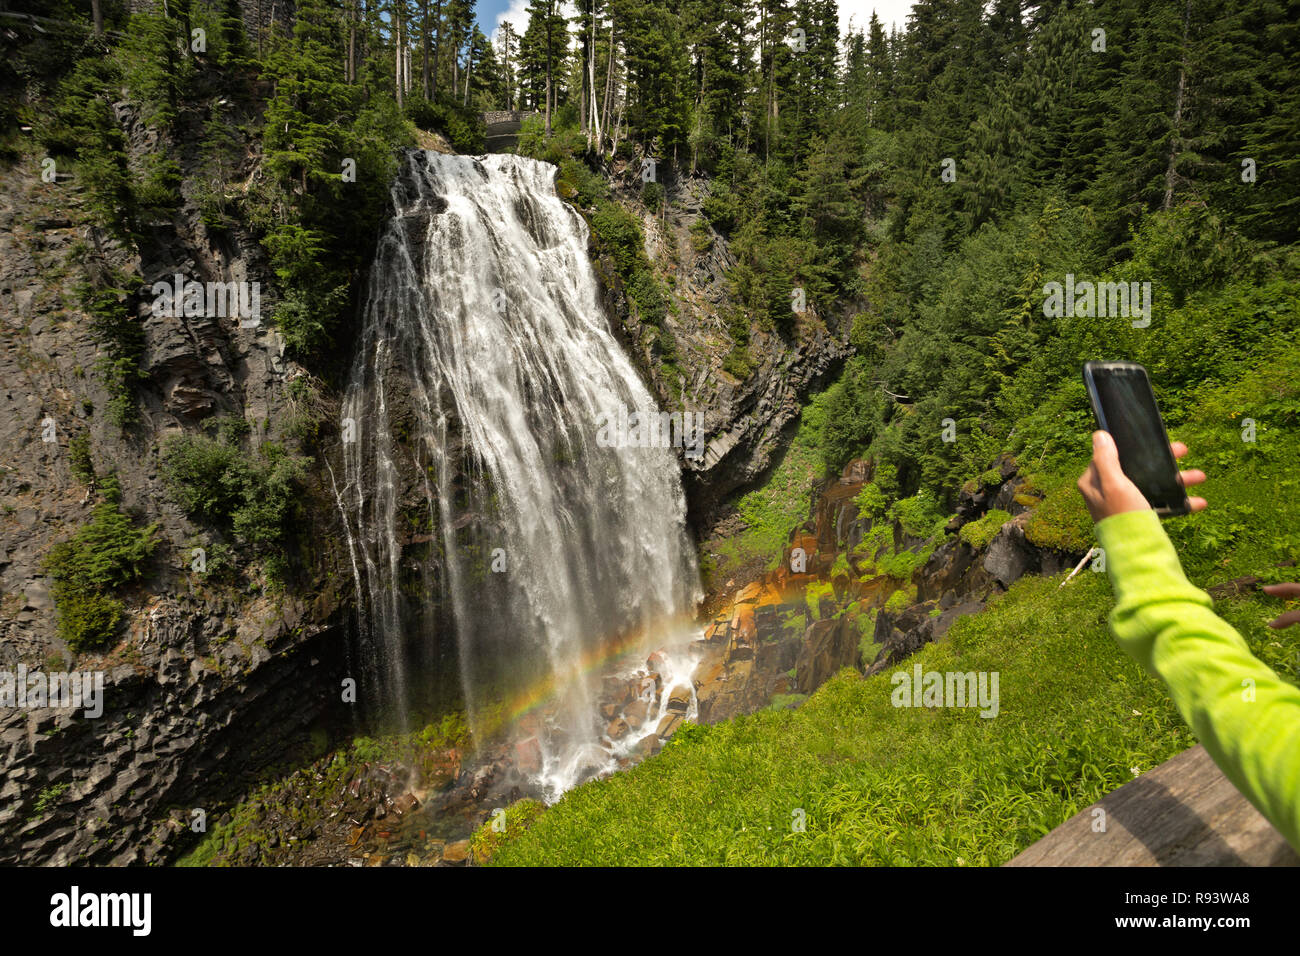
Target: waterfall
[{"x": 499, "y": 547}]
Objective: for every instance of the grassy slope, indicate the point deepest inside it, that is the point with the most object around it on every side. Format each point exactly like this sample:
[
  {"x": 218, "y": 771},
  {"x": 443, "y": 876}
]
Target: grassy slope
[{"x": 885, "y": 785}]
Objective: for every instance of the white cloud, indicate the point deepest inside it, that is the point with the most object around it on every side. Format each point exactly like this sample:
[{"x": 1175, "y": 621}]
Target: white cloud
[
  {"x": 857, "y": 14},
  {"x": 517, "y": 14}
]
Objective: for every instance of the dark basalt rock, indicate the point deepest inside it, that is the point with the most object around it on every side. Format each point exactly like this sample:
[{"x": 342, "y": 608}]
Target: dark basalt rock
[{"x": 207, "y": 684}]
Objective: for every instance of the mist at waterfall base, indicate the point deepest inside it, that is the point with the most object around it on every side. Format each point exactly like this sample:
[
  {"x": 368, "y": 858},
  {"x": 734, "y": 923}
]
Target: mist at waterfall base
[{"x": 504, "y": 559}]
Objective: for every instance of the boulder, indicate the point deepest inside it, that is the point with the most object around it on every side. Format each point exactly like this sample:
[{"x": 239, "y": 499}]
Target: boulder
[
  {"x": 901, "y": 634},
  {"x": 528, "y": 755},
  {"x": 457, "y": 852},
  {"x": 647, "y": 746},
  {"x": 679, "y": 700},
  {"x": 635, "y": 713},
  {"x": 1009, "y": 555},
  {"x": 668, "y": 726},
  {"x": 828, "y": 646}
]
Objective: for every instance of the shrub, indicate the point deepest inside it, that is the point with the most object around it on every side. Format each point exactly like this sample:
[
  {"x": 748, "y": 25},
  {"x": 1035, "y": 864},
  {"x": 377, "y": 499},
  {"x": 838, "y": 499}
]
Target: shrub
[
  {"x": 461, "y": 126},
  {"x": 104, "y": 554},
  {"x": 79, "y": 460},
  {"x": 122, "y": 338},
  {"x": 871, "y": 501},
  {"x": 217, "y": 484},
  {"x": 918, "y": 516}
]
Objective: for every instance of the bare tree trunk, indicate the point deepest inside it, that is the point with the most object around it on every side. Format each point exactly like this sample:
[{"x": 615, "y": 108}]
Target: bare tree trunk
[
  {"x": 763, "y": 44},
  {"x": 505, "y": 44},
  {"x": 97, "y": 14},
  {"x": 618, "y": 123},
  {"x": 584, "y": 124},
  {"x": 469, "y": 70},
  {"x": 424, "y": 30},
  {"x": 397, "y": 33},
  {"x": 1175, "y": 140},
  {"x": 437, "y": 43},
  {"x": 593, "y": 127},
  {"x": 609, "y": 80},
  {"x": 351, "y": 72},
  {"x": 550, "y": 9}
]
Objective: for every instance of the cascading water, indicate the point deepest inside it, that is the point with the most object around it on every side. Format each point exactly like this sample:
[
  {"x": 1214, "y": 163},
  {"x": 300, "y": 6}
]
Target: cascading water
[{"x": 474, "y": 479}]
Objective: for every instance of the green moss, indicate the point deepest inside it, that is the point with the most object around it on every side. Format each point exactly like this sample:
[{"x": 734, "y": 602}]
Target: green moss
[
  {"x": 813, "y": 595},
  {"x": 900, "y": 599},
  {"x": 980, "y": 532},
  {"x": 1061, "y": 520},
  {"x": 298, "y": 798}
]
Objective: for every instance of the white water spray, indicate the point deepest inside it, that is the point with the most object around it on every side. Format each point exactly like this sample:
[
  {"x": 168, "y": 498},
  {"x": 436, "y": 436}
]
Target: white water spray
[{"x": 475, "y": 482}]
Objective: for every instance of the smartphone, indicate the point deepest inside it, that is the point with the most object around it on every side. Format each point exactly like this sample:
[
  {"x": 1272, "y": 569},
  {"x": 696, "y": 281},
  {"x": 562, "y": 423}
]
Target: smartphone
[{"x": 1125, "y": 406}]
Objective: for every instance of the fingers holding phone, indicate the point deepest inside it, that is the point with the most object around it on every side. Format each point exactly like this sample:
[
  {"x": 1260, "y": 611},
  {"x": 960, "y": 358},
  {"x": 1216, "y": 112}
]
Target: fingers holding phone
[{"x": 1107, "y": 490}]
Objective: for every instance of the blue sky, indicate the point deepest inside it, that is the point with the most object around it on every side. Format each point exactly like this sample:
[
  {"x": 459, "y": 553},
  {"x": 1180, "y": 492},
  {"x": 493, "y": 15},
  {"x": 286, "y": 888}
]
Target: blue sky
[{"x": 492, "y": 12}]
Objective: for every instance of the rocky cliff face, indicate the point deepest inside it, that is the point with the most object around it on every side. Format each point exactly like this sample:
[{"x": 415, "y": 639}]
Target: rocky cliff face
[
  {"x": 206, "y": 683},
  {"x": 747, "y": 421}
]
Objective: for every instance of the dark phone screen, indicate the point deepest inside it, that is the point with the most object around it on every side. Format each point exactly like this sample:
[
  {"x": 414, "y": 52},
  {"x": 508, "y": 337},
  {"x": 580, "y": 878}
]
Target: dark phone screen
[{"x": 1130, "y": 415}]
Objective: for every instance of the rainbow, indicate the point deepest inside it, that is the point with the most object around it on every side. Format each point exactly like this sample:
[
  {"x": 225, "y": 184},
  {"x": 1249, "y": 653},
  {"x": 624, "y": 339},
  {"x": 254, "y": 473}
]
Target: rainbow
[{"x": 594, "y": 659}]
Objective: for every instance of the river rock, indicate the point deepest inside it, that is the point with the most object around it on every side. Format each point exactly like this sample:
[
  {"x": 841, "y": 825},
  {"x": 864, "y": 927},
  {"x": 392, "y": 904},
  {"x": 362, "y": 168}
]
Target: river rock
[
  {"x": 528, "y": 755},
  {"x": 457, "y": 852},
  {"x": 668, "y": 725},
  {"x": 635, "y": 713}
]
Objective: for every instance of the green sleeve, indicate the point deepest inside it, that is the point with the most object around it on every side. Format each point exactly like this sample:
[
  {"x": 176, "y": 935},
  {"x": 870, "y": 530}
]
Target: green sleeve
[{"x": 1168, "y": 626}]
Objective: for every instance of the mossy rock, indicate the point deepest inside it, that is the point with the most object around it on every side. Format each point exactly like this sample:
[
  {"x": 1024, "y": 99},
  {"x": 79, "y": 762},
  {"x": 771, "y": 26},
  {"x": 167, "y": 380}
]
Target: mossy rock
[
  {"x": 1061, "y": 520},
  {"x": 980, "y": 532}
]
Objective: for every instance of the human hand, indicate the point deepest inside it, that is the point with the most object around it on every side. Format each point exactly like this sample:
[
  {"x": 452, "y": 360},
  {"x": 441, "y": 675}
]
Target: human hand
[{"x": 1108, "y": 491}]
